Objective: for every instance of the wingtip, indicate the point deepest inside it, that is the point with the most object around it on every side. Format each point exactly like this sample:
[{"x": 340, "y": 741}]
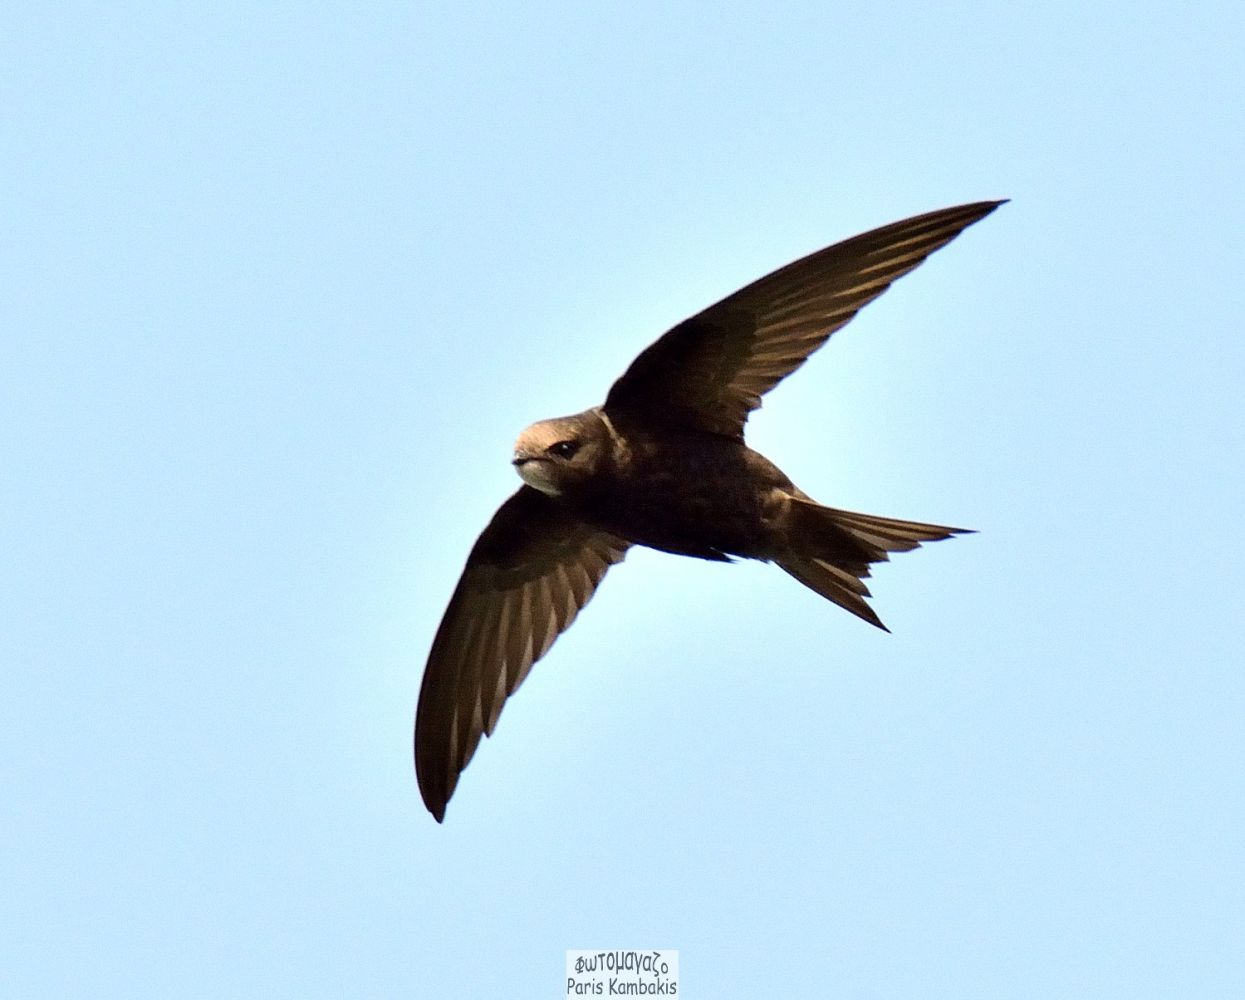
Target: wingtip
[
  {"x": 983, "y": 208},
  {"x": 434, "y": 801},
  {"x": 437, "y": 809}
]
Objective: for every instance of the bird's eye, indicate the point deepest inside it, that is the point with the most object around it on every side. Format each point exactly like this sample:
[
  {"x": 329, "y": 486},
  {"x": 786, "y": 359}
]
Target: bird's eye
[{"x": 563, "y": 449}]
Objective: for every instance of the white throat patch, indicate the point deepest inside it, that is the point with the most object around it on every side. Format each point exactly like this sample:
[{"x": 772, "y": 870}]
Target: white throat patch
[{"x": 535, "y": 472}]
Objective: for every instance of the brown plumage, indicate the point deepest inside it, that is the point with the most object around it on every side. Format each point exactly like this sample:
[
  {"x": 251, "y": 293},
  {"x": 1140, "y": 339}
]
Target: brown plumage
[{"x": 663, "y": 463}]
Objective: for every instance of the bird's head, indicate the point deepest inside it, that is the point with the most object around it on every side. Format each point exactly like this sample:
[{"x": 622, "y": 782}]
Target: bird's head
[{"x": 555, "y": 456}]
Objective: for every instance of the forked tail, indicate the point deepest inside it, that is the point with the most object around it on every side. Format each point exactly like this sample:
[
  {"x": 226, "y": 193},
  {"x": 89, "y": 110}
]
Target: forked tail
[{"x": 831, "y": 550}]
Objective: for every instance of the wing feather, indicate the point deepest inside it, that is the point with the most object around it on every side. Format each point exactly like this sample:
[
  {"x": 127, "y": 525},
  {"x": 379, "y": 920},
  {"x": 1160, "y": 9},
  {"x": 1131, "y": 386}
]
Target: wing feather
[
  {"x": 709, "y": 372},
  {"x": 531, "y": 571}
]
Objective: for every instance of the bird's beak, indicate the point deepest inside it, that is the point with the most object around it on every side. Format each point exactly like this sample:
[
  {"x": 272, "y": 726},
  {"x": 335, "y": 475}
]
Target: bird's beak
[{"x": 533, "y": 471}]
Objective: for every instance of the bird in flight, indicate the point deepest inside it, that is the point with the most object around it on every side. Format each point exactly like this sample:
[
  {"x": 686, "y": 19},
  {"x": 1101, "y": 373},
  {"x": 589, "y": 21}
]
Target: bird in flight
[{"x": 663, "y": 463}]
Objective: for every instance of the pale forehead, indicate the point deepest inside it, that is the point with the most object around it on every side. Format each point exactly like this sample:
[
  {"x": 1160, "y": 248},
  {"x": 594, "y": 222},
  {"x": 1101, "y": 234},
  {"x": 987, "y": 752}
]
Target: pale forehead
[{"x": 541, "y": 435}]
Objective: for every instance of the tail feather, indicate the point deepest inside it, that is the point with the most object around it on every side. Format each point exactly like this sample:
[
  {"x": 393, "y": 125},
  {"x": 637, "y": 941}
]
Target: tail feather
[
  {"x": 838, "y": 585},
  {"x": 831, "y": 550}
]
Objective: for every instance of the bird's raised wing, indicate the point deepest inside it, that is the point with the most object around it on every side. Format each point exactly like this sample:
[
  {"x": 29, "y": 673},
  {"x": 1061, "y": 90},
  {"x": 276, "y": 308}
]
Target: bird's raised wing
[
  {"x": 710, "y": 371},
  {"x": 527, "y": 577}
]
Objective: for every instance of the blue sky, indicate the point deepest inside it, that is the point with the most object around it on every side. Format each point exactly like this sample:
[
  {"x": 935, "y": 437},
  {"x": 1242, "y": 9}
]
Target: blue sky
[{"x": 278, "y": 287}]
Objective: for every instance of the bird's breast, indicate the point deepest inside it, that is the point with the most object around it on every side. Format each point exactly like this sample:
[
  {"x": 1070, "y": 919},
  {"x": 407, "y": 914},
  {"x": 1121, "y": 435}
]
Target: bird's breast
[{"x": 694, "y": 495}]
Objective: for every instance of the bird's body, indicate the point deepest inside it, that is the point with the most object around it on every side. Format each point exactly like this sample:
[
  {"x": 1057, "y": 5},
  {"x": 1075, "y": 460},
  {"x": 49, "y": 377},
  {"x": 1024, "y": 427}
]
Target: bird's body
[
  {"x": 663, "y": 463},
  {"x": 680, "y": 491}
]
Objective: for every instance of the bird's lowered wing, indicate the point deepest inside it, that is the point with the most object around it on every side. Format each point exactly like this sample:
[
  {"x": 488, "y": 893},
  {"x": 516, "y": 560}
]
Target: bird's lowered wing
[
  {"x": 527, "y": 577},
  {"x": 710, "y": 371}
]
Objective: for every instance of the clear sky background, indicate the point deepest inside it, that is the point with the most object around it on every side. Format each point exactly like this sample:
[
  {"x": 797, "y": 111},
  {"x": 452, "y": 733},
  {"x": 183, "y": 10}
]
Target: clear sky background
[{"x": 279, "y": 284}]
